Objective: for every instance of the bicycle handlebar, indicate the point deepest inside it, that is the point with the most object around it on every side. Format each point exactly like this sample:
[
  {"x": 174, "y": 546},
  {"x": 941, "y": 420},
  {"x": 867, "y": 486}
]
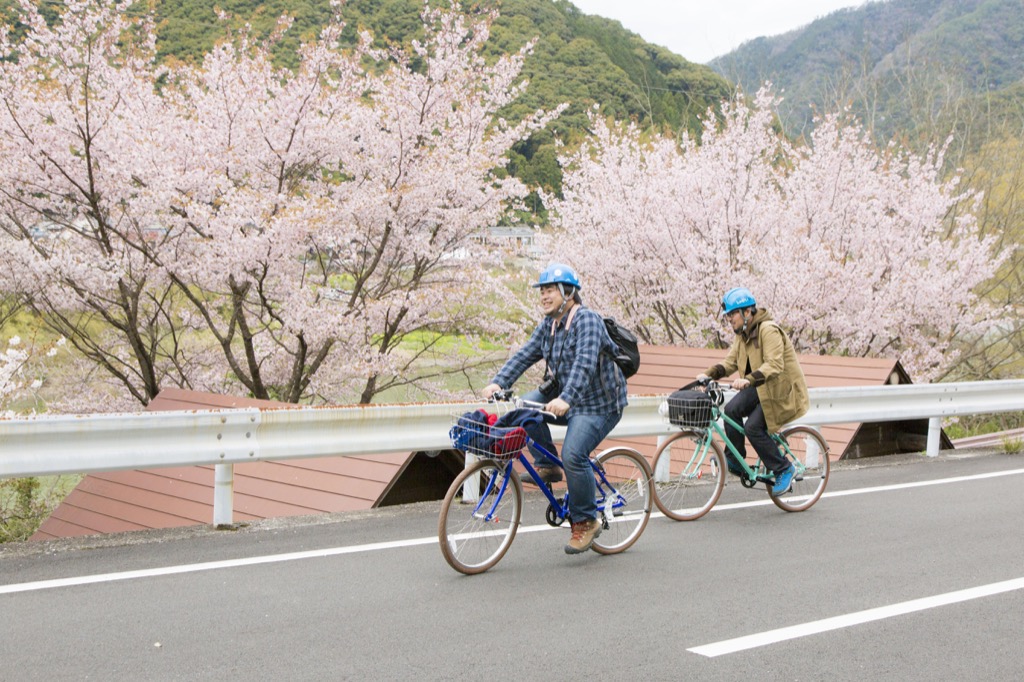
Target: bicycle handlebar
[
  {"x": 507, "y": 396},
  {"x": 714, "y": 389}
]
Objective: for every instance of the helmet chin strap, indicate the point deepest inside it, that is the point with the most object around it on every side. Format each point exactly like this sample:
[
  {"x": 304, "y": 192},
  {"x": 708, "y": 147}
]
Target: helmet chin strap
[
  {"x": 745, "y": 321},
  {"x": 561, "y": 309}
]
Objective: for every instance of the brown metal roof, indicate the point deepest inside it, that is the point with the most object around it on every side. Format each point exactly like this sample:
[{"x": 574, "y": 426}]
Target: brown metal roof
[
  {"x": 116, "y": 501},
  {"x": 165, "y": 498},
  {"x": 663, "y": 369}
]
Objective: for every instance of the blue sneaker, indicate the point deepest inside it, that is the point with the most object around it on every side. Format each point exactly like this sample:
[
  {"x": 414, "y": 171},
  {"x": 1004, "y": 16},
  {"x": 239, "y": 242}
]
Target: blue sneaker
[
  {"x": 734, "y": 468},
  {"x": 783, "y": 481}
]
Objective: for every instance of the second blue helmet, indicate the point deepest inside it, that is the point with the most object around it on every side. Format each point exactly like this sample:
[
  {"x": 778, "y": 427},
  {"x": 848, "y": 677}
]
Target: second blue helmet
[
  {"x": 734, "y": 299},
  {"x": 558, "y": 273}
]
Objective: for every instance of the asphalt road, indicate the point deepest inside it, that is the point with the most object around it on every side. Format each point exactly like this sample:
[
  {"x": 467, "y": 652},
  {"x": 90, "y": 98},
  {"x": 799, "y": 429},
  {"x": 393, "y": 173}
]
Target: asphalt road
[{"x": 908, "y": 569}]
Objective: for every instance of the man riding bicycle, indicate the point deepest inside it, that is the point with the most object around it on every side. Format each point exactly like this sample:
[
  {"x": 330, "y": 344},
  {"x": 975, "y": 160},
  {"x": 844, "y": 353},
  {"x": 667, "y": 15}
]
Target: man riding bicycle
[
  {"x": 583, "y": 388},
  {"x": 772, "y": 388}
]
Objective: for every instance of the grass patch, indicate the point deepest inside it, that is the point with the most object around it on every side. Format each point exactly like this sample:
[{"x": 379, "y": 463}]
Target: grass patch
[
  {"x": 1012, "y": 446},
  {"x": 26, "y": 502}
]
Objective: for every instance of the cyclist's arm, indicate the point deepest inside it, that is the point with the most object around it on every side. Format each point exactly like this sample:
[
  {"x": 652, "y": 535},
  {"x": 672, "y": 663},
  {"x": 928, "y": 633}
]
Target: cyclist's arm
[
  {"x": 522, "y": 360},
  {"x": 727, "y": 366}
]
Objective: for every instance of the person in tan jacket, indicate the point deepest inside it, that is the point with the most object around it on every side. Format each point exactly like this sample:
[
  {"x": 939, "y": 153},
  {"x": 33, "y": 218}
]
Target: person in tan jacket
[{"x": 771, "y": 385}]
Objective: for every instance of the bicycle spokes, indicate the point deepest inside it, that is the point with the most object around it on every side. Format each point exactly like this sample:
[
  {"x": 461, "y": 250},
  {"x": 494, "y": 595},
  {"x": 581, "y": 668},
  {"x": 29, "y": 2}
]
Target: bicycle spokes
[
  {"x": 807, "y": 451},
  {"x": 475, "y": 529},
  {"x": 624, "y": 498}
]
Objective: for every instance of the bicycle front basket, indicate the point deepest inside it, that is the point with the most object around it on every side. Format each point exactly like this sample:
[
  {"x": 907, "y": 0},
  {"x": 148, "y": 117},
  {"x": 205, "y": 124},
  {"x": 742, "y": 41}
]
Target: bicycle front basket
[
  {"x": 474, "y": 433},
  {"x": 689, "y": 409}
]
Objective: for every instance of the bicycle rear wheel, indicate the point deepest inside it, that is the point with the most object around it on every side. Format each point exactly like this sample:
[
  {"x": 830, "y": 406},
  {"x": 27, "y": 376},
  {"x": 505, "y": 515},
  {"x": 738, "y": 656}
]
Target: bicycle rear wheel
[
  {"x": 623, "y": 499},
  {"x": 480, "y": 516},
  {"x": 688, "y": 477},
  {"x": 810, "y": 451}
]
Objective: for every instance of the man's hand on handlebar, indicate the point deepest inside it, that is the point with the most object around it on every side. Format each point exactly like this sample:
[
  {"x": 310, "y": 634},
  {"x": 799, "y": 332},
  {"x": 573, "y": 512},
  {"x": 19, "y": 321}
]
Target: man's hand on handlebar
[
  {"x": 557, "y": 407},
  {"x": 737, "y": 384}
]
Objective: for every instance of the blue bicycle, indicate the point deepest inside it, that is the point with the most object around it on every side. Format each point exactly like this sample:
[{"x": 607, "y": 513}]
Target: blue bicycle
[{"x": 481, "y": 511}]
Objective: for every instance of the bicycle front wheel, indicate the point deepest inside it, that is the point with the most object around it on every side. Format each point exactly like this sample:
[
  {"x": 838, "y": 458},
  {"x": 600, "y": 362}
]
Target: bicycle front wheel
[
  {"x": 623, "y": 498},
  {"x": 808, "y": 452},
  {"x": 688, "y": 475},
  {"x": 480, "y": 516}
]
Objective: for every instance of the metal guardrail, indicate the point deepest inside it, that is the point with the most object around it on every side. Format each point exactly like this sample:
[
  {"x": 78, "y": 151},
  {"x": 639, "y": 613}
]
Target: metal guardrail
[{"x": 62, "y": 444}]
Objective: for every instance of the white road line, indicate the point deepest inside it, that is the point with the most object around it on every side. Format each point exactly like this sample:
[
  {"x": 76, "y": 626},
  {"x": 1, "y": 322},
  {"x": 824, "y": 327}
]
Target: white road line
[
  {"x": 210, "y": 565},
  {"x": 396, "y": 544},
  {"x": 731, "y": 646},
  {"x": 876, "y": 489},
  {"x": 921, "y": 484}
]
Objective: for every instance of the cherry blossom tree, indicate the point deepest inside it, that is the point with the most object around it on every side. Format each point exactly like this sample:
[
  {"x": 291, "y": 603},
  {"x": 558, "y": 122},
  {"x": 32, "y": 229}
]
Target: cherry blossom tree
[
  {"x": 77, "y": 188},
  {"x": 301, "y": 234},
  {"x": 858, "y": 251},
  {"x": 343, "y": 223}
]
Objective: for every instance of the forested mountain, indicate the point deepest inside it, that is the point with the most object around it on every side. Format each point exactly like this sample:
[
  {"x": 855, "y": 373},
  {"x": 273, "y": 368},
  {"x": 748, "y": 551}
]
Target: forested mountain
[
  {"x": 579, "y": 58},
  {"x": 900, "y": 63}
]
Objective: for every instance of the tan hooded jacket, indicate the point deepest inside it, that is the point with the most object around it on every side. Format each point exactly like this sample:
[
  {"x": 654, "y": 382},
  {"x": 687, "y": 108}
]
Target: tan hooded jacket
[{"x": 774, "y": 370}]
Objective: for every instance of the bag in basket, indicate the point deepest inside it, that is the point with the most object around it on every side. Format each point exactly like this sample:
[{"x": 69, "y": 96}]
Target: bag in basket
[{"x": 689, "y": 409}]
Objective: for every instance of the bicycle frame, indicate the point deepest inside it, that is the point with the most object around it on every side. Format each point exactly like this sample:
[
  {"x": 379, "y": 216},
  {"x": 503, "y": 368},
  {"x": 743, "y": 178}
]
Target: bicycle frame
[
  {"x": 717, "y": 413},
  {"x": 560, "y": 507}
]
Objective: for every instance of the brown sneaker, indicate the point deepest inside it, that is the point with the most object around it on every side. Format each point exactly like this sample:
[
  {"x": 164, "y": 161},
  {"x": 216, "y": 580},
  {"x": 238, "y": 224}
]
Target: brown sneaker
[
  {"x": 548, "y": 475},
  {"x": 583, "y": 535}
]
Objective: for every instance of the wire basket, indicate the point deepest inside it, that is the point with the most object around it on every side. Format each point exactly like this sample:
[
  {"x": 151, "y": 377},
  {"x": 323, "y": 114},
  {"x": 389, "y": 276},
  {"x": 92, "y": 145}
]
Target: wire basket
[
  {"x": 690, "y": 409},
  {"x": 474, "y": 433}
]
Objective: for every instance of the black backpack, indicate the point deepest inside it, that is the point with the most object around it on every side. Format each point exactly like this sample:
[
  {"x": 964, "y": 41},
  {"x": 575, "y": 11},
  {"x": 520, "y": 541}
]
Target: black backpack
[{"x": 628, "y": 355}]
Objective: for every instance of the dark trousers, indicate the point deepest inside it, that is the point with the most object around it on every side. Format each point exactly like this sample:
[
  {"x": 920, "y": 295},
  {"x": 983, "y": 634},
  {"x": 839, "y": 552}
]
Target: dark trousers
[{"x": 746, "y": 405}]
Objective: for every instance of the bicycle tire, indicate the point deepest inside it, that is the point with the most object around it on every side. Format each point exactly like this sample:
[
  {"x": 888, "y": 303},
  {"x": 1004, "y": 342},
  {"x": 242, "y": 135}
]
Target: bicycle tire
[
  {"x": 686, "y": 489},
  {"x": 811, "y": 449},
  {"x": 474, "y": 536},
  {"x": 628, "y": 471}
]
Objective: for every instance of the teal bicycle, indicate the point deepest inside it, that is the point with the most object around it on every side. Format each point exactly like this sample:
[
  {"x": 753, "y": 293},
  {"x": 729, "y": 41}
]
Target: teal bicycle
[{"x": 690, "y": 467}]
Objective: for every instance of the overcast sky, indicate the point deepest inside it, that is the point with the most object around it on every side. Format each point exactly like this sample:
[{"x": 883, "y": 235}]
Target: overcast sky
[{"x": 701, "y": 30}]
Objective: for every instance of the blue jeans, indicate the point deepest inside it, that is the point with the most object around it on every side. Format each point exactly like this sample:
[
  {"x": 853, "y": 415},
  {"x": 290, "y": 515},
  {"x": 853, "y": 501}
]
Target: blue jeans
[{"x": 583, "y": 433}]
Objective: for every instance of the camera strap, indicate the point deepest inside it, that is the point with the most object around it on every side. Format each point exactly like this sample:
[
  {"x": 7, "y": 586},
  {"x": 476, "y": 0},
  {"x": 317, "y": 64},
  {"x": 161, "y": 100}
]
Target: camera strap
[{"x": 551, "y": 368}]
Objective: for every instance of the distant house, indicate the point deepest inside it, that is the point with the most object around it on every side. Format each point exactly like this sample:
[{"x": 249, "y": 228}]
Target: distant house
[
  {"x": 45, "y": 231},
  {"x": 154, "y": 234},
  {"x": 517, "y": 240}
]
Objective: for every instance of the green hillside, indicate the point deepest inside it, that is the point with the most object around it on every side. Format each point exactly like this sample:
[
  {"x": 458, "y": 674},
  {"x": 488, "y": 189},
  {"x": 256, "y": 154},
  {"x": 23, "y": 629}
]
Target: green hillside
[
  {"x": 579, "y": 59},
  {"x": 898, "y": 62}
]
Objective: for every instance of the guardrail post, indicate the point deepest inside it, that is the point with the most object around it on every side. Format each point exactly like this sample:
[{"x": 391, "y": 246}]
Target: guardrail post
[
  {"x": 934, "y": 435},
  {"x": 471, "y": 486},
  {"x": 662, "y": 473},
  {"x": 223, "y": 492},
  {"x": 814, "y": 453}
]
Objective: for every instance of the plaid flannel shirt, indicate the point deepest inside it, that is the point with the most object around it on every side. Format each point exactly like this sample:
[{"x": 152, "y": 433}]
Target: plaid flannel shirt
[{"x": 591, "y": 382}]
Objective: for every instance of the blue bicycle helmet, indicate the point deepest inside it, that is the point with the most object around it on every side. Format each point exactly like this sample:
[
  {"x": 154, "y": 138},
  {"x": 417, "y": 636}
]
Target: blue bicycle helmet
[
  {"x": 734, "y": 299},
  {"x": 558, "y": 273}
]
